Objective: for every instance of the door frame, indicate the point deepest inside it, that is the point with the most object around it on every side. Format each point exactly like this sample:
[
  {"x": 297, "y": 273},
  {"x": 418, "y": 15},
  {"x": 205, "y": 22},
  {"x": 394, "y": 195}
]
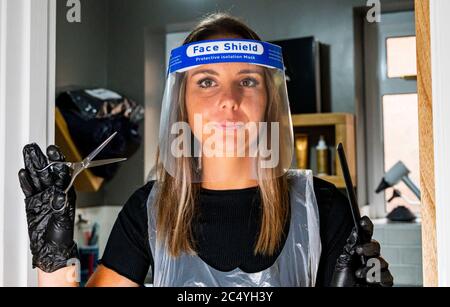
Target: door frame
[
  {"x": 433, "y": 45},
  {"x": 27, "y": 90}
]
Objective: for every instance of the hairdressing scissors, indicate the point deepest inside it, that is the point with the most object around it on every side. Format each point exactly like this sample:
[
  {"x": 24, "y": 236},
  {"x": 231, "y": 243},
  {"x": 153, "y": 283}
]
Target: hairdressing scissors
[{"x": 78, "y": 167}]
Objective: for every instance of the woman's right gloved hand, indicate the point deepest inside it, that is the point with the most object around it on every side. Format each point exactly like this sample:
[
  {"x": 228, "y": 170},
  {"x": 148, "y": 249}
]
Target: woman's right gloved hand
[{"x": 50, "y": 219}]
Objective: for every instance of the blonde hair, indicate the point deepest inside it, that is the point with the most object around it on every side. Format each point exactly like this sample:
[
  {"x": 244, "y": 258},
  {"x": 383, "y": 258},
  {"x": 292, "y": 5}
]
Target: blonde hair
[{"x": 177, "y": 196}]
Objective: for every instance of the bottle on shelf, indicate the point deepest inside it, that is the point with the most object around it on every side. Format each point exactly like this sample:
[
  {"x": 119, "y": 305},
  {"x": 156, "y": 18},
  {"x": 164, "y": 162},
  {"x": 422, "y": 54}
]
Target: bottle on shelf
[{"x": 322, "y": 157}]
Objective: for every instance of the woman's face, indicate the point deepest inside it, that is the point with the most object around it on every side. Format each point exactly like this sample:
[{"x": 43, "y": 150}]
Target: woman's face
[{"x": 226, "y": 96}]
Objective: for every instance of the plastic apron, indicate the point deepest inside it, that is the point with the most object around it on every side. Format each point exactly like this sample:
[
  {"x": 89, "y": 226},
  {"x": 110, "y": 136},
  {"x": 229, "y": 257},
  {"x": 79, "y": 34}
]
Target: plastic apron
[{"x": 296, "y": 266}]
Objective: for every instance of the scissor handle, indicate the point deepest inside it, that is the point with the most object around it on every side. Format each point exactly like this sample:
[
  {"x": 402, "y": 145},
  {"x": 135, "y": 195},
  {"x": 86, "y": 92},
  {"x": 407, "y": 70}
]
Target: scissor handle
[
  {"x": 68, "y": 164},
  {"x": 62, "y": 208},
  {"x": 77, "y": 169}
]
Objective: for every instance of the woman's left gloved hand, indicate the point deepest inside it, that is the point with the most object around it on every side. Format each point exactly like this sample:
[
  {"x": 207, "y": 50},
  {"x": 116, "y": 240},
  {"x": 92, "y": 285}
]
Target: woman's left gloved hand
[{"x": 351, "y": 272}]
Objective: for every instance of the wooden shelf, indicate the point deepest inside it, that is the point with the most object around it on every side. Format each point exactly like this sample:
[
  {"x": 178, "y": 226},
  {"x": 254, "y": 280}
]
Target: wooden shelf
[
  {"x": 323, "y": 119},
  {"x": 343, "y": 125},
  {"x": 86, "y": 181}
]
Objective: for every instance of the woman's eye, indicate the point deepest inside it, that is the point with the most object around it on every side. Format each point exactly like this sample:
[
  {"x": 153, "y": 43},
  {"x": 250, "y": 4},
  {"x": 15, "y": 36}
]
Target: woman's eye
[
  {"x": 206, "y": 83},
  {"x": 249, "y": 82}
]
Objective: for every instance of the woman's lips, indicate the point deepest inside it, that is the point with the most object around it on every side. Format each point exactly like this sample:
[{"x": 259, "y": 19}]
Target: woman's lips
[{"x": 228, "y": 125}]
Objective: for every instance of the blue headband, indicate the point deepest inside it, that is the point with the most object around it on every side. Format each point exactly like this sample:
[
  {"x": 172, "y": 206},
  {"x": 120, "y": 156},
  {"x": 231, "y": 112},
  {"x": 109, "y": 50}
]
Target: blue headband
[{"x": 223, "y": 51}]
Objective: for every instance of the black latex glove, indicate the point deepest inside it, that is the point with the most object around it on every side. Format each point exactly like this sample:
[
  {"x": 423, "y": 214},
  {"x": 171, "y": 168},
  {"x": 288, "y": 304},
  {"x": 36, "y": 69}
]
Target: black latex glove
[
  {"x": 50, "y": 230},
  {"x": 349, "y": 270}
]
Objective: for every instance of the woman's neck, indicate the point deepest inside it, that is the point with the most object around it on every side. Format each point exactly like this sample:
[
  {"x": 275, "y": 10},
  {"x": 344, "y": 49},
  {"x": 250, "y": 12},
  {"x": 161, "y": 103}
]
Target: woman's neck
[{"x": 227, "y": 173}]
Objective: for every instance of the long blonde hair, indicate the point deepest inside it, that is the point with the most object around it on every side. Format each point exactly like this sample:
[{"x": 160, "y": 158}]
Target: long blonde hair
[{"x": 177, "y": 195}]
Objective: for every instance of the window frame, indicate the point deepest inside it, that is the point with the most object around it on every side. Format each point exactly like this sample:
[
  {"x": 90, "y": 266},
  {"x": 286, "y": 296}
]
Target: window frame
[{"x": 378, "y": 84}]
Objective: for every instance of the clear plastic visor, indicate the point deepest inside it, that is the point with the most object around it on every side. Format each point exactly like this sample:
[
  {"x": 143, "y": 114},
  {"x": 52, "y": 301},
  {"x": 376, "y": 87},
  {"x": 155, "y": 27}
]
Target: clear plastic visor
[{"x": 222, "y": 117}]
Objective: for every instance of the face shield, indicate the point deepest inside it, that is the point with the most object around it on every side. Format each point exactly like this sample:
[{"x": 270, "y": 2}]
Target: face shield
[{"x": 225, "y": 101}]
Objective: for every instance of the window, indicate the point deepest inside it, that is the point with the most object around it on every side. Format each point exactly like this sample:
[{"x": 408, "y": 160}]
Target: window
[
  {"x": 401, "y": 143},
  {"x": 391, "y": 109},
  {"x": 401, "y": 57}
]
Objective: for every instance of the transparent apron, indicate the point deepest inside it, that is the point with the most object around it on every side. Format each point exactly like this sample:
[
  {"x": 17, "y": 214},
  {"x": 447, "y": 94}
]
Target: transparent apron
[{"x": 296, "y": 266}]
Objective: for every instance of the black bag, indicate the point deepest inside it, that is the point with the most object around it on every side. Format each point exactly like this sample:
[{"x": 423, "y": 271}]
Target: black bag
[{"x": 91, "y": 120}]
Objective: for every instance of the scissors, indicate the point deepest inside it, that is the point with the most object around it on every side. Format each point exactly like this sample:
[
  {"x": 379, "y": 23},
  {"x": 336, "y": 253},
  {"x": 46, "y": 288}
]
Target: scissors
[{"x": 78, "y": 167}]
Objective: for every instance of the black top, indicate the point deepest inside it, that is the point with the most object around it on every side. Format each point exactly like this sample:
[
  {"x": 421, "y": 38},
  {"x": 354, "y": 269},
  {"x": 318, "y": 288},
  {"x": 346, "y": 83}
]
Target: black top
[{"x": 225, "y": 230}]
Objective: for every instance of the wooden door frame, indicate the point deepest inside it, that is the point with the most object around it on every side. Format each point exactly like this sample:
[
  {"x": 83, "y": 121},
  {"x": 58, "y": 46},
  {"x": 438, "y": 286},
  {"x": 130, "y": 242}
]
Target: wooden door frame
[{"x": 433, "y": 46}]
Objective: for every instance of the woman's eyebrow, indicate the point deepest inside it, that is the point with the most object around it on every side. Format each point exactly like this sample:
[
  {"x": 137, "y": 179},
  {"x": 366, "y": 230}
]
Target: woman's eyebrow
[
  {"x": 250, "y": 71},
  {"x": 205, "y": 71},
  {"x": 215, "y": 73}
]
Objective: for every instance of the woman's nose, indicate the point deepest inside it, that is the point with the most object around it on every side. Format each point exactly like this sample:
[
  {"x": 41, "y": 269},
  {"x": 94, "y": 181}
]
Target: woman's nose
[{"x": 230, "y": 99}]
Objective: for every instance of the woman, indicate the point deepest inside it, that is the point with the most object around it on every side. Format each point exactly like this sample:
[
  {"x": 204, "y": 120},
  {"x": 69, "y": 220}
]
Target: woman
[{"x": 216, "y": 215}]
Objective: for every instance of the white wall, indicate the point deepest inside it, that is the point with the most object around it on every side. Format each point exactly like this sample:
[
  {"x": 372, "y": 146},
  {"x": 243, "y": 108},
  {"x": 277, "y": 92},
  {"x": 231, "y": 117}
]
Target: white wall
[
  {"x": 105, "y": 216},
  {"x": 2, "y": 127},
  {"x": 440, "y": 62}
]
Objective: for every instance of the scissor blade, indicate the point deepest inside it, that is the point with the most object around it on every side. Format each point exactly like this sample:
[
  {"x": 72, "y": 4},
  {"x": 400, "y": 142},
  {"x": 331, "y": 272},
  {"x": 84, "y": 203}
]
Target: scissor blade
[
  {"x": 105, "y": 162},
  {"x": 93, "y": 154}
]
